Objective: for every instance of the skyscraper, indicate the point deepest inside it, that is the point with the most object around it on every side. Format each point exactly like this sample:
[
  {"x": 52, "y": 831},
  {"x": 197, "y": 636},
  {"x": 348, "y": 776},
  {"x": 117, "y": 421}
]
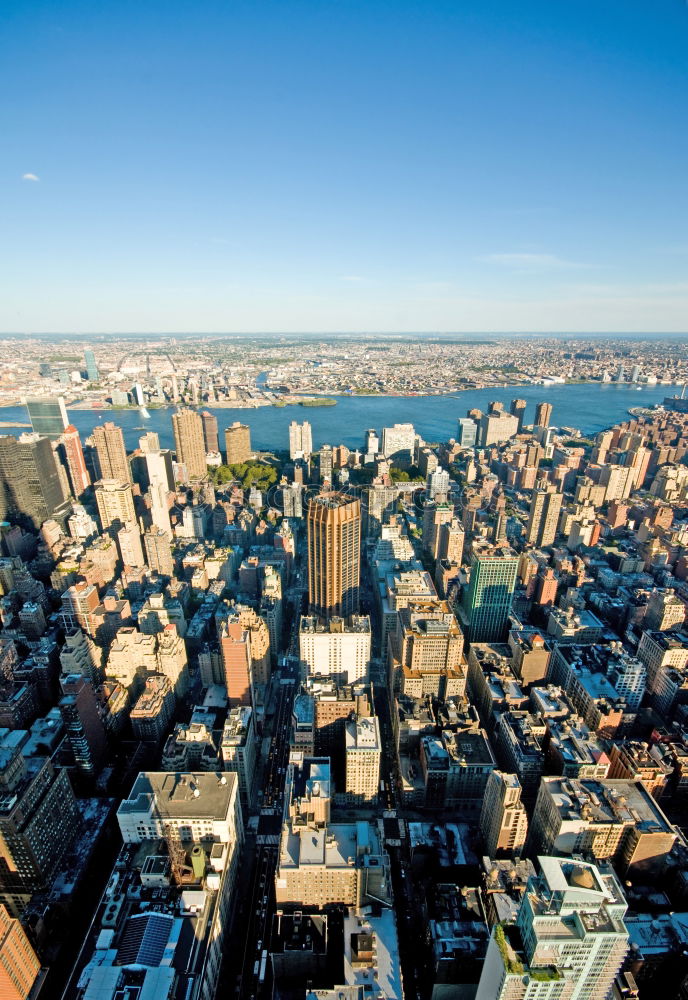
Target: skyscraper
[
  {"x": 334, "y": 540},
  {"x": 451, "y": 541},
  {"x": 79, "y": 603},
  {"x": 372, "y": 444},
  {"x": 496, "y": 426},
  {"x": 434, "y": 516},
  {"x": 149, "y": 442},
  {"x": 83, "y": 724},
  {"x": 30, "y": 485},
  {"x": 245, "y": 652},
  {"x": 503, "y": 819},
  {"x": 74, "y": 459},
  {"x": 546, "y": 587},
  {"x": 92, "y": 372},
  {"x": 112, "y": 455},
  {"x": 518, "y": 409},
  {"x": 38, "y": 821},
  {"x": 210, "y": 436},
  {"x": 300, "y": 439},
  {"x": 363, "y": 754},
  {"x": 189, "y": 443},
  {"x": 543, "y": 414},
  {"x": 235, "y": 650},
  {"x": 158, "y": 551},
  {"x": 544, "y": 515},
  {"x": 568, "y": 940},
  {"x": 238, "y": 750},
  {"x": 437, "y": 484},
  {"x": 80, "y": 656},
  {"x": 399, "y": 442},
  {"x": 467, "y": 432},
  {"x": 115, "y": 503},
  {"x": 237, "y": 443},
  {"x": 292, "y": 499},
  {"x": 325, "y": 463},
  {"x": 160, "y": 482},
  {"x": 338, "y": 648},
  {"x": 487, "y": 599},
  {"x": 160, "y": 511},
  {"x": 48, "y": 415},
  {"x": 130, "y": 547},
  {"x": 19, "y": 966}
]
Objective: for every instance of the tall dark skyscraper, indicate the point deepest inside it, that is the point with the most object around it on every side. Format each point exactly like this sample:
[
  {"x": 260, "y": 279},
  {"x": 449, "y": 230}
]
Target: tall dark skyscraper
[
  {"x": 48, "y": 415},
  {"x": 30, "y": 486},
  {"x": 543, "y": 414},
  {"x": 488, "y": 597},
  {"x": 518, "y": 409},
  {"x": 334, "y": 554},
  {"x": 210, "y": 435},
  {"x": 38, "y": 821},
  {"x": 83, "y": 725}
]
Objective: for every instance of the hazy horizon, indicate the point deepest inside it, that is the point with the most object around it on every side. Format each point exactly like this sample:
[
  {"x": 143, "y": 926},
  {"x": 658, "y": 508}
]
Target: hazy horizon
[{"x": 462, "y": 336}]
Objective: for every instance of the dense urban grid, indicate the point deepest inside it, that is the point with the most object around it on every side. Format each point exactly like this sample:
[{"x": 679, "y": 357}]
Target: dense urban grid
[{"x": 405, "y": 720}]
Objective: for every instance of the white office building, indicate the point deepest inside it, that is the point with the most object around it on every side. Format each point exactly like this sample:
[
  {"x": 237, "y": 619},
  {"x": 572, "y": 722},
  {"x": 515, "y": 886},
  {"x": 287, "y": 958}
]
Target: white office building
[
  {"x": 568, "y": 940},
  {"x": 337, "y": 648}
]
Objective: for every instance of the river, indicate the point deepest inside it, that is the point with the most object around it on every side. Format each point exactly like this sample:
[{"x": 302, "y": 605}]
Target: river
[{"x": 590, "y": 408}]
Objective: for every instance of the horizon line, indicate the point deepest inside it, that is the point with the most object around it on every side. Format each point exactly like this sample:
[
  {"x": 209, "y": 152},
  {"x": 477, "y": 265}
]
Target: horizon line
[{"x": 345, "y": 333}]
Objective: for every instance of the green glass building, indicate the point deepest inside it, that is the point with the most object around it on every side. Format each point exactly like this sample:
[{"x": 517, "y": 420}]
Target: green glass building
[
  {"x": 92, "y": 372},
  {"x": 487, "y": 599},
  {"x": 48, "y": 415}
]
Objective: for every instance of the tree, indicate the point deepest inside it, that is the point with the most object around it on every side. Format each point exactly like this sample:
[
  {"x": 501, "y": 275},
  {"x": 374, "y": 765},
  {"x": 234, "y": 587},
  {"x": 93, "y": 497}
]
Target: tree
[{"x": 248, "y": 474}]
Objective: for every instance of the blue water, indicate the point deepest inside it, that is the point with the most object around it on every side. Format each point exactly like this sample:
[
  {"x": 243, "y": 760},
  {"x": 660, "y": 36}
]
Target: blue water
[{"x": 590, "y": 408}]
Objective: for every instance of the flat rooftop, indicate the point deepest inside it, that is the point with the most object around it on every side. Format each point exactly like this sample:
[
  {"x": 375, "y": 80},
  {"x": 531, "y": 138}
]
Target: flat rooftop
[
  {"x": 310, "y": 624},
  {"x": 363, "y": 734},
  {"x": 178, "y": 795},
  {"x": 336, "y": 846}
]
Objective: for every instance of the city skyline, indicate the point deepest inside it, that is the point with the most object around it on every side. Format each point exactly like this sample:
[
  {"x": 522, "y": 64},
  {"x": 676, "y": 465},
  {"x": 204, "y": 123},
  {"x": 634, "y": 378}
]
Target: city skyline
[
  {"x": 344, "y": 500},
  {"x": 378, "y": 167},
  {"x": 482, "y": 644}
]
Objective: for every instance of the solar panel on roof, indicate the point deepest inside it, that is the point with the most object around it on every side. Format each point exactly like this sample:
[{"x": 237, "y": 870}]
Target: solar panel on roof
[{"x": 144, "y": 939}]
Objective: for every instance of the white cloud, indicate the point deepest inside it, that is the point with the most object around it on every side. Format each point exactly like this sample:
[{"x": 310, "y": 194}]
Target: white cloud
[{"x": 30, "y": 177}]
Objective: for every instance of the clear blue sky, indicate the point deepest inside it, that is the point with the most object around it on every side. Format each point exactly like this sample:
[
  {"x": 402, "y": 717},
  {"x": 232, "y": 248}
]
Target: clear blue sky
[{"x": 399, "y": 166}]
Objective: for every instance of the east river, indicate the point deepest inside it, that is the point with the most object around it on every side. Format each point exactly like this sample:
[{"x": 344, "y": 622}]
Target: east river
[{"x": 589, "y": 407}]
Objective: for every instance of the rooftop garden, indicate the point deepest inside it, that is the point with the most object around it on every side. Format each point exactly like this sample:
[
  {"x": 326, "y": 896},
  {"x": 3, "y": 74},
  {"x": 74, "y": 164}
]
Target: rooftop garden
[{"x": 513, "y": 964}]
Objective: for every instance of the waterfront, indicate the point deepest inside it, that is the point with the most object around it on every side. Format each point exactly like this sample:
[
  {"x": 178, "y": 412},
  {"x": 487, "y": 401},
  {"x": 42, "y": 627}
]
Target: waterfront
[{"x": 588, "y": 407}]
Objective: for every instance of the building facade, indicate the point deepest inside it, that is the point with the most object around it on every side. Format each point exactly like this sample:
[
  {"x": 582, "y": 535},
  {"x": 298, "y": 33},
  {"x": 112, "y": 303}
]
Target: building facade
[
  {"x": 189, "y": 443},
  {"x": 111, "y": 452},
  {"x": 237, "y": 443},
  {"x": 334, "y": 554}
]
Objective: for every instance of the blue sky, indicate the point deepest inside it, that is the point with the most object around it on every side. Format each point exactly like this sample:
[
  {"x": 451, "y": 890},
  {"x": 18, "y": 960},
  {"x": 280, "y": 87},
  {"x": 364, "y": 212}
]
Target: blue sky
[{"x": 328, "y": 166}]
